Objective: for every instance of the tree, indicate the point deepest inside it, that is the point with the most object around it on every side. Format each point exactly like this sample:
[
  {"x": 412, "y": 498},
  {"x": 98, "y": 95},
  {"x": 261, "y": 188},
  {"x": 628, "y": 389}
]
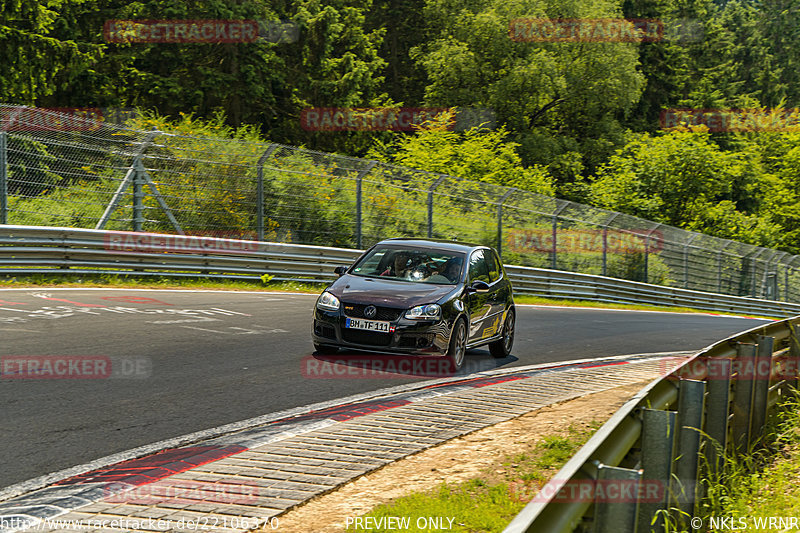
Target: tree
[
  {"x": 557, "y": 99},
  {"x": 486, "y": 156},
  {"x": 36, "y": 58},
  {"x": 683, "y": 179}
]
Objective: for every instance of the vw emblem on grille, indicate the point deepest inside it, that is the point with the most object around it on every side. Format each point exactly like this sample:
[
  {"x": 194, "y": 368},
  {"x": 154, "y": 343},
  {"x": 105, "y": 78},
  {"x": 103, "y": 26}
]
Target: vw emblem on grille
[{"x": 370, "y": 311}]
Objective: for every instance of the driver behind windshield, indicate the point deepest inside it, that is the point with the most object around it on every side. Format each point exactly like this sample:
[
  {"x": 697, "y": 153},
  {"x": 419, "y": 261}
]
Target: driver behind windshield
[{"x": 398, "y": 267}]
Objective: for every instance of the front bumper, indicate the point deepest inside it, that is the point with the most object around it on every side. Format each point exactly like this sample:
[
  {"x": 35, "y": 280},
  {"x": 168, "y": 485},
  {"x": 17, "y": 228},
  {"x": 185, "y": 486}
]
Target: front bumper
[{"x": 420, "y": 337}]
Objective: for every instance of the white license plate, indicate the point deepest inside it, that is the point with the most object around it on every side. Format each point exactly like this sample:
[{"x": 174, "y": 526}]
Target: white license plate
[{"x": 369, "y": 325}]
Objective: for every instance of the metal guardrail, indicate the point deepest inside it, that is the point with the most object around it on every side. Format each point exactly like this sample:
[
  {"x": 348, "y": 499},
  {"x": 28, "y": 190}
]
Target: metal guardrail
[
  {"x": 717, "y": 401},
  {"x": 73, "y": 170},
  {"x": 26, "y": 250}
]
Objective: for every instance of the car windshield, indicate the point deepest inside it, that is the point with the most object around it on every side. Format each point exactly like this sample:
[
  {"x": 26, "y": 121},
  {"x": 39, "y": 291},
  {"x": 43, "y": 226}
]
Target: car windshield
[{"x": 419, "y": 265}]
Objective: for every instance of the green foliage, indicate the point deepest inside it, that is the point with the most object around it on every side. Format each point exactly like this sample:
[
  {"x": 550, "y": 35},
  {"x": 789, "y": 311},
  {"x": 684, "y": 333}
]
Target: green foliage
[
  {"x": 556, "y": 98},
  {"x": 571, "y": 115},
  {"x": 684, "y": 179},
  {"x": 476, "y": 155},
  {"x": 38, "y": 59}
]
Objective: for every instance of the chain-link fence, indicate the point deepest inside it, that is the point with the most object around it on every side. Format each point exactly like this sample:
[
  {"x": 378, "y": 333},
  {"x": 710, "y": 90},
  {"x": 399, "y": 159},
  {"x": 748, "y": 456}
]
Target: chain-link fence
[{"x": 61, "y": 169}]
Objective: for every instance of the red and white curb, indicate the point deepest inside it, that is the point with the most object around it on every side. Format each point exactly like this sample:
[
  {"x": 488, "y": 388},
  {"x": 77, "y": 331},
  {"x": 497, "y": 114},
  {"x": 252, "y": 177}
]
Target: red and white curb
[{"x": 244, "y": 475}]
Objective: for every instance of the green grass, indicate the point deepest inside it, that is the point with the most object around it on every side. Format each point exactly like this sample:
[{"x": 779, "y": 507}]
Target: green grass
[
  {"x": 154, "y": 282},
  {"x": 491, "y": 501},
  {"x": 765, "y": 482},
  {"x": 538, "y": 300}
]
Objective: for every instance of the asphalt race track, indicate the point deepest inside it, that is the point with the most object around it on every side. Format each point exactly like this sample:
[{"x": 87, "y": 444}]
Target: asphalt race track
[{"x": 87, "y": 373}]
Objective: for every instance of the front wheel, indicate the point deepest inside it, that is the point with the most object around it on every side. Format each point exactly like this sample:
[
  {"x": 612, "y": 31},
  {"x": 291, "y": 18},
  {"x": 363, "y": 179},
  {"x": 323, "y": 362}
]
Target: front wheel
[
  {"x": 502, "y": 348},
  {"x": 457, "y": 350}
]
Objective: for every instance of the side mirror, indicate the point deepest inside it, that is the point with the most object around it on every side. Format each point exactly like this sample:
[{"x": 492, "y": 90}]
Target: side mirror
[
  {"x": 340, "y": 270},
  {"x": 478, "y": 286}
]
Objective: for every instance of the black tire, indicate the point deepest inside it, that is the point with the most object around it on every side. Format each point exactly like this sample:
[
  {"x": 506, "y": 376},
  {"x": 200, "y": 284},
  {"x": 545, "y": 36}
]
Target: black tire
[
  {"x": 457, "y": 351},
  {"x": 324, "y": 349},
  {"x": 502, "y": 348}
]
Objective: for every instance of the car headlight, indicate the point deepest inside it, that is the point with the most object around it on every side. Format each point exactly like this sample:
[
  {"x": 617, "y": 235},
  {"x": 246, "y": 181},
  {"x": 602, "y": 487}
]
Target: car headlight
[
  {"x": 328, "y": 301},
  {"x": 424, "y": 312}
]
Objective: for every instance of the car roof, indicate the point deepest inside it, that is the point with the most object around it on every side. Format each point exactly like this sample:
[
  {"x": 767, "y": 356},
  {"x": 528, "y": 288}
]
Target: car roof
[{"x": 434, "y": 243}]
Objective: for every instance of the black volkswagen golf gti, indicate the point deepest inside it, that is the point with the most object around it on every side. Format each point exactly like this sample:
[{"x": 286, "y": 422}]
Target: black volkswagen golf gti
[{"x": 422, "y": 297}]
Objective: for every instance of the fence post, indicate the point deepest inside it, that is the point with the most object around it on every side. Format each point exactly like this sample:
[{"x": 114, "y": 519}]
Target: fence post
[
  {"x": 719, "y": 266},
  {"x": 359, "y": 178},
  {"x": 3, "y": 177},
  {"x": 500, "y": 221},
  {"x": 138, "y": 195},
  {"x": 647, "y": 253},
  {"x": 554, "y": 252},
  {"x": 753, "y": 291},
  {"x": 788, "y": 294},
  {"x": 605, "y": 242},
  {"x": 686, "y": 261},
  {"x": 430, "y": 204},
  {"x": 658, "y": 448},
  {"x": 126, "y": 181},
  {"x": 260, "y": 190}
]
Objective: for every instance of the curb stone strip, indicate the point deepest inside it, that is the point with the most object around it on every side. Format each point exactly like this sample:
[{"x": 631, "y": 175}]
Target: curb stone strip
[
  {"x": 46, "y": 480},
  {"x": 288, "y": 463}
]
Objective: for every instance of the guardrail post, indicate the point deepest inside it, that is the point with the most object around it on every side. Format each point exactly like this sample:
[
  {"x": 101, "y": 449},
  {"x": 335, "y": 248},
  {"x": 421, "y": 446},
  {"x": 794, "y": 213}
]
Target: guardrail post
[
  {"x": 794, "y": 356},
  {"x": 359, "y": 178},
  {"x": 430, "y": 204},
  {"x": 718, "y": 408},
  {"x": 619, "y": 514},
  {"x": 743, "y": 397},
  {"x": 500, "y": 221},
  {"x": 260, "y": 190},
  {"x": 658, "y": 448},
  {"x": 691, "y": 396},
  {"x": 3, "y": 177},
  {"x": 761, "y": 375},
  {"x": 138, "y": 195}
]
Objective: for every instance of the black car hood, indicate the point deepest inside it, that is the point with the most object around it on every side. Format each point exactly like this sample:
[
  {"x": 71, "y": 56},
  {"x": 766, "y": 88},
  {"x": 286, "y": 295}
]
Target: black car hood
[{"x": 388, "y": 293}]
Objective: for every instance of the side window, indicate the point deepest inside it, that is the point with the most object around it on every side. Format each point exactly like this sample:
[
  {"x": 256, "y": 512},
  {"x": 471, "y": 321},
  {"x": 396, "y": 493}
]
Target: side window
[
  {"x": 477, "y": 267},
  {"x": 494, "y": 265}
]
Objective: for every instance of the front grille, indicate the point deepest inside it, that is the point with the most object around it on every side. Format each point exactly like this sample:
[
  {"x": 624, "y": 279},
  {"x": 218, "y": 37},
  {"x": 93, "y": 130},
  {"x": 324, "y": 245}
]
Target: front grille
[
  {"x": 384, "y": 313},
  {"x": 368, "y": 338}
]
